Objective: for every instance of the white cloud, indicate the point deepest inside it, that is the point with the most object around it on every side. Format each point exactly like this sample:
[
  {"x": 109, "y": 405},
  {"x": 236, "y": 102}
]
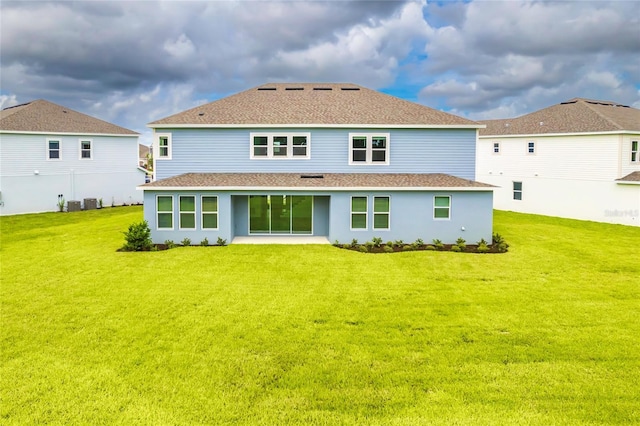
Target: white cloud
[
  {"x": 7, "y": 101},
  {"x": 181, "y": 48}
]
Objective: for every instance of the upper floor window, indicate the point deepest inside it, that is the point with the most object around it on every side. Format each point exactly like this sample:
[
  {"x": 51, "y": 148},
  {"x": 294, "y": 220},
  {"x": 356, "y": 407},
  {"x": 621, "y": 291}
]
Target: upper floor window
[
  {"x": 531, "y": 147},
  {"x": 53, "y": 149},
  {"x": 85, "y": 149},
  {"x": 164, "y": 146},
  {"x": 442, "y": 207},
  {"x": 280, "y": 145},
  {"x": 635, "y": 156},
  {"x": 368, "y": 148},
  {"x": 496, "y": 147}
]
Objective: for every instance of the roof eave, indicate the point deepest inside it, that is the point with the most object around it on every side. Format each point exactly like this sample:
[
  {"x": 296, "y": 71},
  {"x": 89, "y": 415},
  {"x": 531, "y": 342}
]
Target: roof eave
[
  {"x": 29, "y": 132},
  {"x": 316, "y": 188},
  {"x": 533, "y": 135},
  {"x": 301, "y": 126}
]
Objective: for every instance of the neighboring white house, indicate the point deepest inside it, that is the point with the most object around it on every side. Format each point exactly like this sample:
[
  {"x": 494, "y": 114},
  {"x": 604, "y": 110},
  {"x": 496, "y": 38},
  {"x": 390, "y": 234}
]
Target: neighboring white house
[
  {"x": 49, "y": 152},
  {"x": 578, "y": 159}
]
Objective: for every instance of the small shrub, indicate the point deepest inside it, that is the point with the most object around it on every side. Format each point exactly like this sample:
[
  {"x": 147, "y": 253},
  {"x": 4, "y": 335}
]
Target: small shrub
[
  {"x": 456, "y": 248},
  {"x": 419, "y": 242},
  {"x": 438, "y": 244},
  {"x": 370, "y": 245},
  {"x": 336, "y": 243},
  {"x": 170, "y": 244},
  {"x": 346, "y": 246},
  {"x": 461, "y": 243},
  {"x": 430, "y": 247},
  {"x": 500, "y": 243},
  {"x": 398, "y": 243},
  {"x": 482, "y": 247},
  {"x": 138, "y": 237},
  {"x": 60, "y": 203},
  {"x": 388, "y": 248},
  {"x": 377, "y": 242},
  {"x": 354, "y": 243},
  {"x": 416, "y": 245},
  {"x": 221, "y": 241},
  {"x": 204, "y": 242},
  {"x": 363, "y": 248},
  {"x": 407, "y": 247},
  {"x": 186, "y": 242},
  {"x": 389, "y": 244}
]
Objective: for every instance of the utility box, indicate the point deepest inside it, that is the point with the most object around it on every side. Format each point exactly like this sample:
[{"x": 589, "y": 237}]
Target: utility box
[
  {"x": 90, "y": 203},
  {"x": 73, "y": 206}
]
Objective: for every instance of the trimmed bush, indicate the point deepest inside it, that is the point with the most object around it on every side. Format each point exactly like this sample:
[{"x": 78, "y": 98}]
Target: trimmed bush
[
  {"x": 388, "y": 249},
  {"x": 138, "y": 237},
  {"x": 186, "y": 242}
]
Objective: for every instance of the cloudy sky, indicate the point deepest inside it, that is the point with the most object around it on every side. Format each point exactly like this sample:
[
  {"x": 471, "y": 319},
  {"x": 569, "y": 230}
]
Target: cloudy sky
[{"x": 132, "y": 62}]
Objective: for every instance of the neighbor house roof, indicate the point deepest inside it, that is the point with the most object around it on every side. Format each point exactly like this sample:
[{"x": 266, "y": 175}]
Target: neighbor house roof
[
  {"x": 340, "y": 181},
  {"x": 312, "y": 104},
  {"x": 574, "y": 116},
  {"x": 46, "y": 117}
]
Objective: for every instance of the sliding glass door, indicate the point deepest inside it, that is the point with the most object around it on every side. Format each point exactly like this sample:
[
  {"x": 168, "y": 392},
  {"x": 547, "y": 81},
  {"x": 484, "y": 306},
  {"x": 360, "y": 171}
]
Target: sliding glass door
[{"x": 281, "y": 214}]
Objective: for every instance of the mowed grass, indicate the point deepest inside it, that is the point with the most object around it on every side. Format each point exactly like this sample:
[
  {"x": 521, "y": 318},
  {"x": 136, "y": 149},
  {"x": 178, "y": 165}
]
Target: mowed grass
[{"x": 548, "y": 333}]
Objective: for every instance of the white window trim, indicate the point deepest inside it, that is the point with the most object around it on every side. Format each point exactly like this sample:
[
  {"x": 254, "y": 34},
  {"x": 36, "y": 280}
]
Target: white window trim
[
  {"x": 270, "y": 136},
  {"x": 351, "y": 213},
  {"x": 47, "y": 150},
  {"x": 90, "y": 148},
  {"x": 369, "y": 149},
  {"x": 156, "y": 151},
  {"x": 437, "y": 207},
  {"x": 636, "y": 152},
  {"x": 164, "y": 212},
  {"x": 180, "y": 212},
  {"x": 203, "y": 212},
  {"x": 496, "y": 144},
  {"x": 534, "y": 148},
  {"x": 388, "y": 213},
  {"x": 514, "y": 190}
]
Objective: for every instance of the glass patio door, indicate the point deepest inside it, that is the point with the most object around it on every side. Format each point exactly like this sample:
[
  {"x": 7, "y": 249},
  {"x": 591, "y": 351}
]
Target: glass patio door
[{"x": 281, "y": 214}]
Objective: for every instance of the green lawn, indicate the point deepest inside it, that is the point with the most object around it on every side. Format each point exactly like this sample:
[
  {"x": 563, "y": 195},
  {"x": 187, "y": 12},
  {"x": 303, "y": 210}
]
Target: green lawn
[{"x": 548, "y": 333}]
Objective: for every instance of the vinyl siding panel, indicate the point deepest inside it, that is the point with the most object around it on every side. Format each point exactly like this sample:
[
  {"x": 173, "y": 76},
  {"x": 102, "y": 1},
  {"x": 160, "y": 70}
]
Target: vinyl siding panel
[{"x": 411, "y": 151}]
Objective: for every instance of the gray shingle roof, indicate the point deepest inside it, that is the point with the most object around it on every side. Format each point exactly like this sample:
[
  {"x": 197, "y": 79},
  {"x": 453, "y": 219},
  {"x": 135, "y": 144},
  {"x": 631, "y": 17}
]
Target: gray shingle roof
[
  {"x": 328, "y": 180},
  {"x": 631, "y": 177},
  {"x": 312, "y": 103},
  {"x": 574, "y": 116},
  {"x": 45, "y": 116}
]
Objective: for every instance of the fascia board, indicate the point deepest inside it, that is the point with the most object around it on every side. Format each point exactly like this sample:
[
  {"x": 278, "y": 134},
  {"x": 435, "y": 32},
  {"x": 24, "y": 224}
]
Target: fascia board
[
  {"x": 311, "y": 126},
  {"x": 539, "y": 135},
  {"x": 21, "y": 132},
  {"x": 316, "y": 189}
]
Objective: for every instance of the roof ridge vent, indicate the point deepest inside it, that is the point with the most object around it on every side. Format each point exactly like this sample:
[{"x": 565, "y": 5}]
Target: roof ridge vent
[
  {"x": 267, "y": 88},
  {"x": 294, "y": 88},
  {"x": 323, "y": 88},
  {"x": 350, "y": 88}
]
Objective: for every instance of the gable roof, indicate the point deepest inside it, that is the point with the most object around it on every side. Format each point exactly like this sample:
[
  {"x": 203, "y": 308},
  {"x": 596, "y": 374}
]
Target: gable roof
[
  {"x": 577, "y": 115},
  {"x": 315, "y": 181},
  {"x": 46, "y": 117},
  {"x": 308, "y": 104}
]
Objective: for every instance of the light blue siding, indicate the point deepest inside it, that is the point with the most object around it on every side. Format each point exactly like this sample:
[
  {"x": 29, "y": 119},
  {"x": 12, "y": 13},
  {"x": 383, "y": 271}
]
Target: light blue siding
[
  {"x": 411, "y": 151},
  {"x": 411, "y": 216},
  {"x": 31, "y": 183}
]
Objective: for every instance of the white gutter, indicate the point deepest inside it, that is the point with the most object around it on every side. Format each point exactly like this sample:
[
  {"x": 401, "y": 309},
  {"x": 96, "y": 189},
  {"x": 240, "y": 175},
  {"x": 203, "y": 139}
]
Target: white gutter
[
  {"x": 310, "y": 126},
  {"x": 315, "y": 189}
]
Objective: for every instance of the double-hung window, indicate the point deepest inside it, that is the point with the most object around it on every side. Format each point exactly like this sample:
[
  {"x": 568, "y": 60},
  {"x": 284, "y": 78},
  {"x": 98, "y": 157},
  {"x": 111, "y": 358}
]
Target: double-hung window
[
  {"x": 53, "y": 149},
  {"x": 531, "y": 147},
  {"x": 370, "y": 148},
  {"x": 380, "y": 212},
  {"x": 280, "y": 145},
  {"x": 209, "y": 212},
  {"x": 85, "y": 149},
  {"x": 496, "y": 147},
  {"x": 164, "y": 208},
  {"x": 359, "y": 213},
  {"x": 164, "y": 146},
  {"x": 635, "y": 155},
  {"x": 187, "y": 212},
  {"x": 517, "y": 190},
  {"x": 442, "y": 207}
]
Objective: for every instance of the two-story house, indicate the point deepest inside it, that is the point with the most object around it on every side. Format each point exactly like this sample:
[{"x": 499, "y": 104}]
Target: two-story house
[
  {"x": 49, "y": 153},
  {"x": 579, "y": 159},
  {"x": 333, "y": 161}
]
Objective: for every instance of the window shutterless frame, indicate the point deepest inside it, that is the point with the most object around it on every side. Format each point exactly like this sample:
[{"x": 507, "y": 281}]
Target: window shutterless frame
[
  {"x": 442, "y": 207},
  {"x": 164, "y": 212},
  {"x": 517, "y": 190},
  {"x": 369, "y": 149},
  {"x": 635, "y": 154},
  {"x": 54, "y": 148},
  {"x": 280, "y": 145},
  {"x": 359, "y": 213},
  {"x": 187, "y": 216},
  {"x": 531, "y": 147},
  {"x": 163, "y": 142},
  {"x": 382, "y": 213},
  {"x": 86, "y": 149},
  {"x": 209, "y": 209},
  {"x": 496, "y": 147}
]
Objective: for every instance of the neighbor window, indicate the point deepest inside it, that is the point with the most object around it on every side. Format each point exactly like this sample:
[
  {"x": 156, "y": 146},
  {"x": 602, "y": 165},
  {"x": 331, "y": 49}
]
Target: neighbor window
[
  {"x": 187, "y": 212},
  {"x": 531, "y": 147},
  {"x": 496, "y": 147},
  {"x": 164, "y": 146},
  {"x": 517, "y": 190},
  {"x": 369, "y": 148},
  {"x": 53, "y": 149},
  {"x": 358, "y": 212},
  {"x": 209, "y": 212},
  {"x": 634, "y": 151},
  {"x": 380, "y": 212},
  {"x": 165, "y": 211},
  {"x": 280, "y": 145},
  {"x": 442, "y": 207},
  {"x": 85, "y": 149}
]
